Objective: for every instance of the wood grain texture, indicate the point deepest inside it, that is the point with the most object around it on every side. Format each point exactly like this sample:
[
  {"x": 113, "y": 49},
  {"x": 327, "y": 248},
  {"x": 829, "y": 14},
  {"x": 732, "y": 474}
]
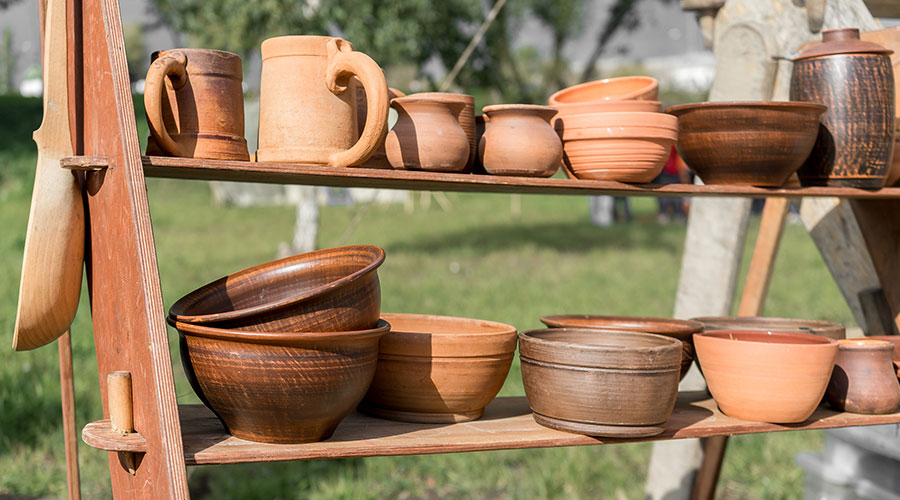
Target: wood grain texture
[
  {"x": 756, "y": 286},
  {"x": 879, "y": 223},
  {"x": 70, "y": 425}
]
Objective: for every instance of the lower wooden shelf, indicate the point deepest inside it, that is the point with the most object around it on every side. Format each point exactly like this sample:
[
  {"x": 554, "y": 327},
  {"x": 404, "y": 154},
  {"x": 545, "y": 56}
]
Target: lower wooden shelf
[{"x": 506, "y": 424}]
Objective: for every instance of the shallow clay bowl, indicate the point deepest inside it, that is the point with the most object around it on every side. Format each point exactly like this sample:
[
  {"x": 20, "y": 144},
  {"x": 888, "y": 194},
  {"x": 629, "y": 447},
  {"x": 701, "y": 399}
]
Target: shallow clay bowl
[
  {"x": 746, "y": 143},
  {"x": 439, "y": 369},
  {"x": 578, "y": 108},
  {"x": 327, "y": 290},
  {"x": 642, "y": 88},
  {"x": 766, "y": 376},
  {"x": 682, "y": 330},
  {"x": 769, "y": 324},
  {"x": 895, "y": 340},
  {"x": 600, "y": 382},
  {"x": 279, "y": 387}
]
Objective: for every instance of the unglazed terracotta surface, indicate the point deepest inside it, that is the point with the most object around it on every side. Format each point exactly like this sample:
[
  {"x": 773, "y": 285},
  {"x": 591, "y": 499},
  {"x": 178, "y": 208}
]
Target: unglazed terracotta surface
[
  {"x": 895, "y": 341},
  {"x": 864, "y": 379},
  {"x": 520, "y": 141},
  {"x": 606, "y": 106},
  {"x": 642, "y": 88},
  {"x": 770, "y": 324},
  {"x": 890, "y": 39},
  {"x": 379, "y": 157},
  {"x": 428, "y": 135},
  {"x": 466, "y": 121}
]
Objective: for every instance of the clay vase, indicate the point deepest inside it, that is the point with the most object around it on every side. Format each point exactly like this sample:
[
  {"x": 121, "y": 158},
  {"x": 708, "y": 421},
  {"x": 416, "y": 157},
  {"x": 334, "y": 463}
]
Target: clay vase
[
  {"x": 427, "y": 135},
  {"x": 890, "y": 39},
  {"x": 466, "y": 121},
  {"x": 520, "y": 141},
  {"x": 895, "y": 341},
  {"x": 379, "y": 157},
  {"x": 864, "y": 380},
  {"x": 307, "y": 103},
  {"x": 195, "y": 105},
  {"x": 855, "y": 80}
]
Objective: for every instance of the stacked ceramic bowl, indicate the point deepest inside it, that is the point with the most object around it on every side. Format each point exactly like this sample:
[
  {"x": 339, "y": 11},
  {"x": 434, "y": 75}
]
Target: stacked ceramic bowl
[{"x": 281, "y": 352}]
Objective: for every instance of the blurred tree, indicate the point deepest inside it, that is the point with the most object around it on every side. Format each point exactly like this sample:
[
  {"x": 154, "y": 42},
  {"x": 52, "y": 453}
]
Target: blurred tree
[
  {"x": 7, "y": 63},
  {"x": 4, "y": 4},
  {"x": 564, "y": 17}
]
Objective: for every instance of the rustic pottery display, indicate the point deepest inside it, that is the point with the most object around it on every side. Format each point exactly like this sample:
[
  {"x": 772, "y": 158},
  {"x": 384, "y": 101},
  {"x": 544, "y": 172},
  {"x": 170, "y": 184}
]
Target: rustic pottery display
[
  {"x": 439, "y": 369},
  {"x": 770, "y": 324},
  {"x": 890, "y": 39},
  {"x": 466, "y": 121},
  {"x": 895, "y": 341},
  {"x": 855, "y": 80},
  {"x": 520, "y": 141},
  {"x": 864, "y": 379},
  {"x": 195, "y": 104},
  {"x": 641, "y": 88},
  {"x": 379, "y": 157},
  {"x": 605, "y": 106},
  {"x": 329, "y": 290},
  {"x": 600, "y": 382},
  {"x": 746, "y": 143},
  {"x": 682, "y": 330},
  {"x": 307, "y": 108},
  {"x": 766, "y": 376},
  {"x": 279, "y": 387},
  {"x": 428, "y": 135}
]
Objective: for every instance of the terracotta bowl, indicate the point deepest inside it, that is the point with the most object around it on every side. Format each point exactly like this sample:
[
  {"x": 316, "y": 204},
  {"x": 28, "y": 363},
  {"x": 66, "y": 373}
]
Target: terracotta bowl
[
  {"x": 746, "y": 143},
  {"x": 641, "y": 88},
  {"x": 816, "y": 327},
  {"x": 677, "y": 329},
  {"x": 439, "y": 369},
  {"x": 766, "y": 376},
  {"x": 623, "y": 146},
  {"x": 895, "y": 340},
  {"x": 580, "y": 108},
  {"x": 279, "y": 387},
  {"x": 600, "y": 382},
  {"x": 327, "y": 290}
]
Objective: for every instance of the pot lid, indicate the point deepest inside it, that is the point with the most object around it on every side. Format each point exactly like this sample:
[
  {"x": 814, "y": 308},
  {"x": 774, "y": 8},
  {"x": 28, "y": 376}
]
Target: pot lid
[{"x": 841, "y": 41}]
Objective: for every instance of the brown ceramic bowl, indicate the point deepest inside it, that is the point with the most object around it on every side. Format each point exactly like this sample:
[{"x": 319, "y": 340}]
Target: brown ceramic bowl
[
  {"x": 329, "y": 290},
  {"x": 279, "y": 387},
  {"x": 600, "y": 382},
  {"x": 746, "y": 143},
  {"x": 439, "y": 369},
  {"x": 895, "y": 340},
  {"x": 682, "y": 330},
  {"x": 766, "y": 376},
  {"x": 790, "y": 325},
  {"x": 642, "y": 88}
]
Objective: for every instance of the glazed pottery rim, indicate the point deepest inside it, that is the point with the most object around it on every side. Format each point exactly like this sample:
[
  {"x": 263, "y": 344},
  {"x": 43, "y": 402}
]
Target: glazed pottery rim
[
  {"x": 776, "y": 323},
  {"x": 681, "y": 109},
  {"x": 275, "y": 338},
  {"x": 651, "y": 83},
  {"x": 664, "y": 326},
  {"x": 663, "y": 342},
  {"x": 803, "y": 340}
]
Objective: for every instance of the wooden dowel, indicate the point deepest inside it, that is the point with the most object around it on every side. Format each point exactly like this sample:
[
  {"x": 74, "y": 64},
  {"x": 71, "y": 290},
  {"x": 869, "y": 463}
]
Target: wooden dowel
[
  {"x": 121, "y": 413},
  {"x": 70, "y": 426}
]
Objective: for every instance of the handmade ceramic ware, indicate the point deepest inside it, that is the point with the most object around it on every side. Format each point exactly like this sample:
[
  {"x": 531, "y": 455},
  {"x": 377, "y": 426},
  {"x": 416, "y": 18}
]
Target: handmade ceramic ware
[
  {"x": 330, "y": 290},
  {"x": 427, "y": 135},
  {"x": 307, "y": 108},
  {"x": 195, "y": 105},
  {"x": 769, "y": 324},
  {"x": 895, "y": 341},
  {"x": 439, "y": 369},
  {"x": 856, "y": 136},
  {"x": 279, "y": 387},
  {"x": 480, "y": 127},
  {"x": 600, "y": 382},
  {"x": 520, "y": 141},
  {"x": 864, "y": 380},
  {"x": 379, "y": 157},
  {"x": 642, "y": 88},
  {"x": 746, "y": 143},
  {"x": 890, "y": 39},
  {"x": 766, "y": 376},
  {"x": 466, "y": 121},
  {"x": 604, "y": 106},
  {"x": 677, "y": 329}
]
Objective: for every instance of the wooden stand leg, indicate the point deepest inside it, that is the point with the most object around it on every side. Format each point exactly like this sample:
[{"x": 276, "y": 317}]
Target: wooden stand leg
[
  {"x": 70, "y": 427},
  {"x": 879, "y": 222}
]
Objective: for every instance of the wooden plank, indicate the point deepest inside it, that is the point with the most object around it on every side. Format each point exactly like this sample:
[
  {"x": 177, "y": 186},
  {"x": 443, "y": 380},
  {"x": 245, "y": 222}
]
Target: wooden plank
[
  {"x": 759, "y": 275},
  {"x": 879, "y": 222},
  {"x": 70, "y": 425}
]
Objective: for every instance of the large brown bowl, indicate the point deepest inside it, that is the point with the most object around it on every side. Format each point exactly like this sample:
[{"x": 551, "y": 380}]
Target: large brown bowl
[
  {"x": 279, "y": 387},
  {"x": 329, "y": 290},
  {"x": 769, "y": 324},
  {"x": 600, "y": 382},
  {"x": 439, "y": 369},
  {"x": 746, "y": 143},
  {"x": 682, "y": 330}
]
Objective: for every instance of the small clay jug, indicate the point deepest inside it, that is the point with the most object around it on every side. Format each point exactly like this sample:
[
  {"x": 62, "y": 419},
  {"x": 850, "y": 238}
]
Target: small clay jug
[
  {"x": 863, "y": 380},
  {"x": 466, "y": 121},
  {"x": 520, "y": 141},
  {"x": 427, "y": 135},
  {"x": 195, "y": 105},
  {"x": 855, "y": 80}
]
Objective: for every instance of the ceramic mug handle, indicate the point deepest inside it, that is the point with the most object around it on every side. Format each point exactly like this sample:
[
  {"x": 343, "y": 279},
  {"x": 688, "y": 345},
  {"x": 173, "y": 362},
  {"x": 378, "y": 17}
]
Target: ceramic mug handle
[
  {"x": 342, "y": 64},
  {"x": 169, "y": 65}
]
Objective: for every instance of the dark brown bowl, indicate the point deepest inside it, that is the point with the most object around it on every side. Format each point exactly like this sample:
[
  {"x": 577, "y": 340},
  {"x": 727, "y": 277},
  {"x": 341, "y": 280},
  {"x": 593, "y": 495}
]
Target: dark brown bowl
[
  {"x": 746, "y": 143},
  {"x": 279, "y": 387},
  {"x": 332, "y": 290},
  {"x": 682, "y": 330},
  {"x": 790, "y": 325}
]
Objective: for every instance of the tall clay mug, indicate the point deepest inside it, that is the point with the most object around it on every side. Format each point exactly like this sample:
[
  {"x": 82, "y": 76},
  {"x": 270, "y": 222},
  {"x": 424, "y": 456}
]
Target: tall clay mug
[
  {"x": 195, "y": 104},
  {"x": 307, "y": 103}
]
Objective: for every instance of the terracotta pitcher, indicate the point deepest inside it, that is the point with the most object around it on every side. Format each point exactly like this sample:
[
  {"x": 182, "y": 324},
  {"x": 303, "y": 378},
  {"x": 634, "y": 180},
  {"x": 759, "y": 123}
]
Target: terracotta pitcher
[
  {"x": 427, "y": 135},
  {"x": 863, "y": 380},
  {"x": 307, "y": 104},
  {"x": 195, "y": 104}
]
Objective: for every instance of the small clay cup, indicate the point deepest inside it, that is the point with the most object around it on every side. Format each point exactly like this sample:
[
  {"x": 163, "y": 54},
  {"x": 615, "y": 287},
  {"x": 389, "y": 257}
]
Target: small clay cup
[
  {"x": 864, "y": 380},
  {"x": 520, "y": 141},
  {"x": 428, "y": 135},
  {"x": 466, "y": 121},
  {"x": 895, "y": 340}
]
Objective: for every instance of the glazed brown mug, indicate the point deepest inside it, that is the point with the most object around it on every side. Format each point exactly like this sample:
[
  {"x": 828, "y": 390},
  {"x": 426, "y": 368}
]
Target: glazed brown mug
[
  {"x": 195, "y": 104},
  {"x": 307, "y": 103}
]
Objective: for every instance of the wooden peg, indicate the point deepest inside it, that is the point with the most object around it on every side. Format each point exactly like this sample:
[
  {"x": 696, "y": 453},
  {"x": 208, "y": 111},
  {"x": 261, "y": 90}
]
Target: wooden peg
[{"x": 121, "y": 413}]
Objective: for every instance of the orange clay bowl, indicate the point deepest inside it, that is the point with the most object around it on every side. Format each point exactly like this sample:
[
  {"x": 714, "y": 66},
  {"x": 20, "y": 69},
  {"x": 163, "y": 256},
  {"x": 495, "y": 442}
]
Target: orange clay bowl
[
  {"x": 682, "y": 330},
  {"x": 329, "y": 290},
  {"x": 279, "y": 387},
  {"x": 770, "y": 324},
  {"x": 746, "y": 143},
  {"x": 766, "y": 376},
  {"x": 439, "y": 369},
  {"x": 641, "y": 88},
  {"x": 580, "y": 108},
  {"x": 895, "y": 340}
]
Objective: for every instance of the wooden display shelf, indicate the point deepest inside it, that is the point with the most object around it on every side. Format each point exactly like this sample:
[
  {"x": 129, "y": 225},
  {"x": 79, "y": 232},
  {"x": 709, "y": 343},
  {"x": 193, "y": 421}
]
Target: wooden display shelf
[{"x": 506, "y": 424}]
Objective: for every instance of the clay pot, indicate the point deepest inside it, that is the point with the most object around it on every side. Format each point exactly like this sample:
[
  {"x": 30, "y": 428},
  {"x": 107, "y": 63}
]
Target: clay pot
[
  {"x": 766, "y": 376},
  {"x": 895, "y": 341},
  {"x": 195, "y": 105},
  {"x": 307, "y": 108},
  {"x": 641, "y": 88},
  {"x": 439, "y": 369},
  {"x": 520, "y": 141},
  {"x": 466, "y": 121},
  {"x": 890, "y": 39},
  {"x": 856, "y": 136},
  {"x": 480, "y": 127},
  {"x": 768, "y": 324},
  {"x": 746, "y": 143},
  {"x": 677, "y": 329},
  {"x": 379, "y": 157},
  {"x": 279, "y": 387},
  {"x": 329, "y": 290},
  {"x": 427, "y": 135},
  {"x": 600, "y": 382},
  {"x": 864, "y": 380}
]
